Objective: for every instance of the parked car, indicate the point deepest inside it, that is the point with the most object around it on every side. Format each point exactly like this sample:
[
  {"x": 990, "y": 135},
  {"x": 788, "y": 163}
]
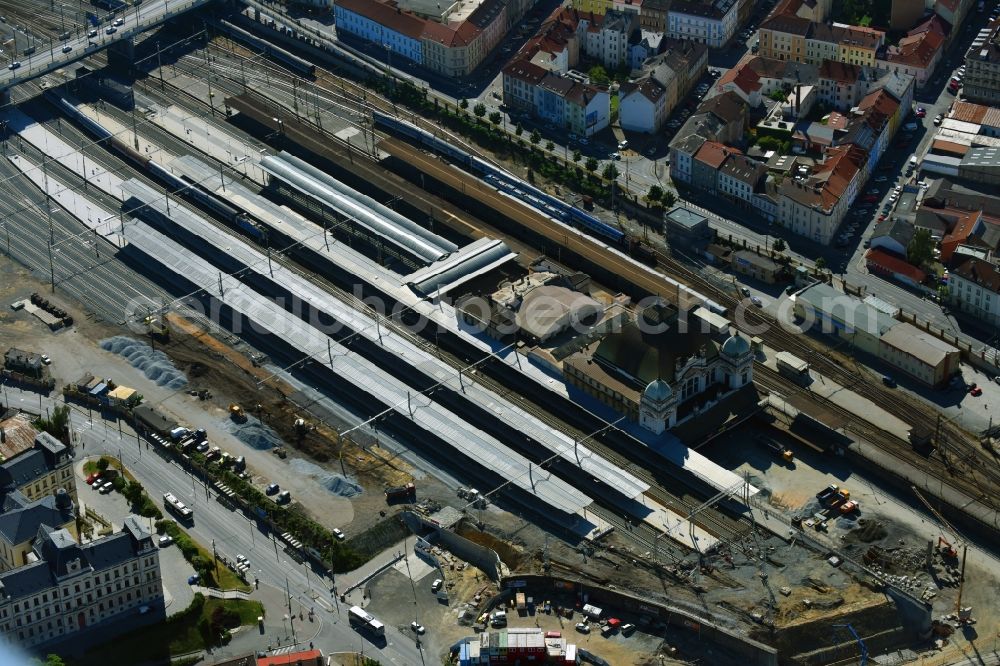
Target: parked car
[
  {"x": 67, "y": 48},
  {"x": 272, "y": 489},
  {"x": 14, "y": 65},
  {"x": 165, "y": 540},
  {"x": 340, "y": 535},
  {"x": 417, "y": 628},
  {"x": 756, "y": 301},
  {"x": 938, "y": 119},
  {"x": 976, "y": 392},
  {"x": 745, "y": 291},
  {"x": 921, "y": 112},
  {"x": 583, "y": 627},
  {"x": 193, "y": 579},
  {"x": 436, "y": 585},
  {"x": 110, "y": 30},
  {"x": 623, "y": 144},
  {"x": 92, "y": 33},
  {"x": 888, "y": 381},
  {"x": 107, "y": 488}
]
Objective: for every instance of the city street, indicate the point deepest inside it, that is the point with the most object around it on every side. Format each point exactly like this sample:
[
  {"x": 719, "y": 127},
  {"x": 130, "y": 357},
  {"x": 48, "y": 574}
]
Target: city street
[{"x": 229, "y": 532}]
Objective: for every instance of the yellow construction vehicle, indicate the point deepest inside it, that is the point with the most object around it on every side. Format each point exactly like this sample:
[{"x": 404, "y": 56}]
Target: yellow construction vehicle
[{"x": 236, "y": 413}]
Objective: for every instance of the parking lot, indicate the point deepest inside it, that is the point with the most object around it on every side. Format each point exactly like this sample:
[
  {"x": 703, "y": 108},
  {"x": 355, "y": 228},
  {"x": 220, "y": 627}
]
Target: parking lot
[{"x": 111, "y": 506}]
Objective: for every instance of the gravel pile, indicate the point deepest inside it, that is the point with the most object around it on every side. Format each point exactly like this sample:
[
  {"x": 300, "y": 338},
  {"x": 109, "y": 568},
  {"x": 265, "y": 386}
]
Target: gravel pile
[
  {"x": 335, "y": 483},
  {"x": 254, "y": 434},
  {"x": 155, "y": 364}
]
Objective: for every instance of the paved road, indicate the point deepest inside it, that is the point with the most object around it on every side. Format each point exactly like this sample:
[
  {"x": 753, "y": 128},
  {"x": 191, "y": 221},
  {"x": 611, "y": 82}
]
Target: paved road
[{"x": 231, "y": 532}]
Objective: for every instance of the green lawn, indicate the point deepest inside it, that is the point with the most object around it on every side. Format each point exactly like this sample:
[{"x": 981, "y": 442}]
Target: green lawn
[{"x": 160, "y": 641}]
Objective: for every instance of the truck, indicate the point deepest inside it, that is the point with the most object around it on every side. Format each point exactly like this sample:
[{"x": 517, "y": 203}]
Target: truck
[
  {"x": 824, "y": 494},
  {"x": 777, "y": 449},
  {"x": 400, "y": 493},
  {"x": 592, "y": 612},
  {"x": 177, "y": 507}
]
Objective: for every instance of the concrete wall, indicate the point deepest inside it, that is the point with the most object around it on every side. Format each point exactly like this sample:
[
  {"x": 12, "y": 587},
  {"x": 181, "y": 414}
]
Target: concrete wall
[
  {"x": 486, "y": 559},
  {"x": 751, "y": 652}
]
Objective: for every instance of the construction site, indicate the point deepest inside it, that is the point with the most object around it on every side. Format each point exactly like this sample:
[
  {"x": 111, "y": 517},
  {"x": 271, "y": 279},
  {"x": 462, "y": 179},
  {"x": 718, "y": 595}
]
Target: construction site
[{"x": 351, "y": 300}]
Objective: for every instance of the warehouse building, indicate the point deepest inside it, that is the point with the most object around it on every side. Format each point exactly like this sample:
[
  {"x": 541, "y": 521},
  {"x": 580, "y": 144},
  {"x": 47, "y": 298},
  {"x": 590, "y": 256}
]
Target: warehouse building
[
  {"x": 836, "y": 313},
  {"x": 928, "y": 359}
]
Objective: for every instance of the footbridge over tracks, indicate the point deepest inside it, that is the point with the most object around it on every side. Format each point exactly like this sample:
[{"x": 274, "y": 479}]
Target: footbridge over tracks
[{"x": 136, "y": 20}]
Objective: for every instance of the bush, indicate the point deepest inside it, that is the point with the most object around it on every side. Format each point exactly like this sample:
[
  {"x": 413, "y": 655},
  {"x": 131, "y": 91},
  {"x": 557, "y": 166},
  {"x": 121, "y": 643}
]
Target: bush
[
  {"x": 102, "y": 464},
  {"x": 119, "y": 483}
]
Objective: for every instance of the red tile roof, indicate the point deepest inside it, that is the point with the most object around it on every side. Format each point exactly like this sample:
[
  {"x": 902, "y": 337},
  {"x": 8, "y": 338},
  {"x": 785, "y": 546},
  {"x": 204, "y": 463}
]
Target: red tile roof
[
  {"x": 387, "y": 14},
  {"x": 841, "y": 72},
  {"x": 968, "y": 112},
  {"x": 917, "y": 50},
  {"x": 882, "y": 262},
  {"x": 306, "y": 656},
  {"x": 981, "y": 272},
  {"x": 959, "y": 233},
  {"x": 942, "y": 146},
  {"x": 714, "y": 153}
]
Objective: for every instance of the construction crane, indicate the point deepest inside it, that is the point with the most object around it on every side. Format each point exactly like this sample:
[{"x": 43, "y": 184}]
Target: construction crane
[
  {"x": 856, "y": 637},
  {"x": 950, "y": 551}
]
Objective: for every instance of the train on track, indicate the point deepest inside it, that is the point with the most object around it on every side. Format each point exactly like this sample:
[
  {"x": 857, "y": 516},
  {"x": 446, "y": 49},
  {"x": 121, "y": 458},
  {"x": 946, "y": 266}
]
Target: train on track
[
  {"x": 188, "y": 188},
  {"x": 276, "y": 53},
  {"x": 525, "y": 192}
]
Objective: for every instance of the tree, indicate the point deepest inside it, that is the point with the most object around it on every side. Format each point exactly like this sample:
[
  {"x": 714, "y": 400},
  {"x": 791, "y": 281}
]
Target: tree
[
  {"x": 921, "y": 248},
  {"x": 655, "y": 193},
  {"x": 50, "y": 660},
  {"x": 669, "y": 199},
  {"x": 550, "y": 146},
  {"x": 479, "y": 110},
  {"x": 519, "y": 129},
  {"x": 778, "y": 95},
  {"x": 591, "y": 164},
  {"x": 56, "y": 424},
  {"x": 821, "y": 263},
  {"x": 495, "y": 117},
  {"x": 577, "y": 156},
  {"x": 464, "y": 104},
  {"x": 610, "y": 171},
  {"x": 769, "y": 143},
  {"x": 598, "y": 75},
  {"x": 779, "y": 245},
  {"x": 535, "y": 137}
]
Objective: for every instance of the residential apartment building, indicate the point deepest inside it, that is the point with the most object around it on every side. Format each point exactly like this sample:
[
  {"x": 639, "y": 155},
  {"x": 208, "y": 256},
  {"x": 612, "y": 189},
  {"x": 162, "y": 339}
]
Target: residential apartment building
[
  {"x": 918, "y": 53},
  {"x": 712, "y": 22},
  {"x": 610, "y": 42},
  {"x": 643, "y": 105},
  {"x": 20, "y": 519},
  {"x": 41, "y": 470},
  {"x": 783, "y": 37},
  {"x": 982, "y": 69},
  {"x": 653, "y": 16},
  {"x": 739, "y": 178},
  {"x": 790, "y": 37},
  {"x": 69, "y": 591},
  {"x": 450, "y": 42},
  {"x": 974, "y": 288},
  {"x": 814, "y": 206},
  {"x": 540, "y": 81}
]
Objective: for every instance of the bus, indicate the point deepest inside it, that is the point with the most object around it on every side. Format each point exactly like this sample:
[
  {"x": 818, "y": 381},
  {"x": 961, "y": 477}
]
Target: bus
[
  {"x": 176, "y": 507},
  {"x": 362, "y": 620}
]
